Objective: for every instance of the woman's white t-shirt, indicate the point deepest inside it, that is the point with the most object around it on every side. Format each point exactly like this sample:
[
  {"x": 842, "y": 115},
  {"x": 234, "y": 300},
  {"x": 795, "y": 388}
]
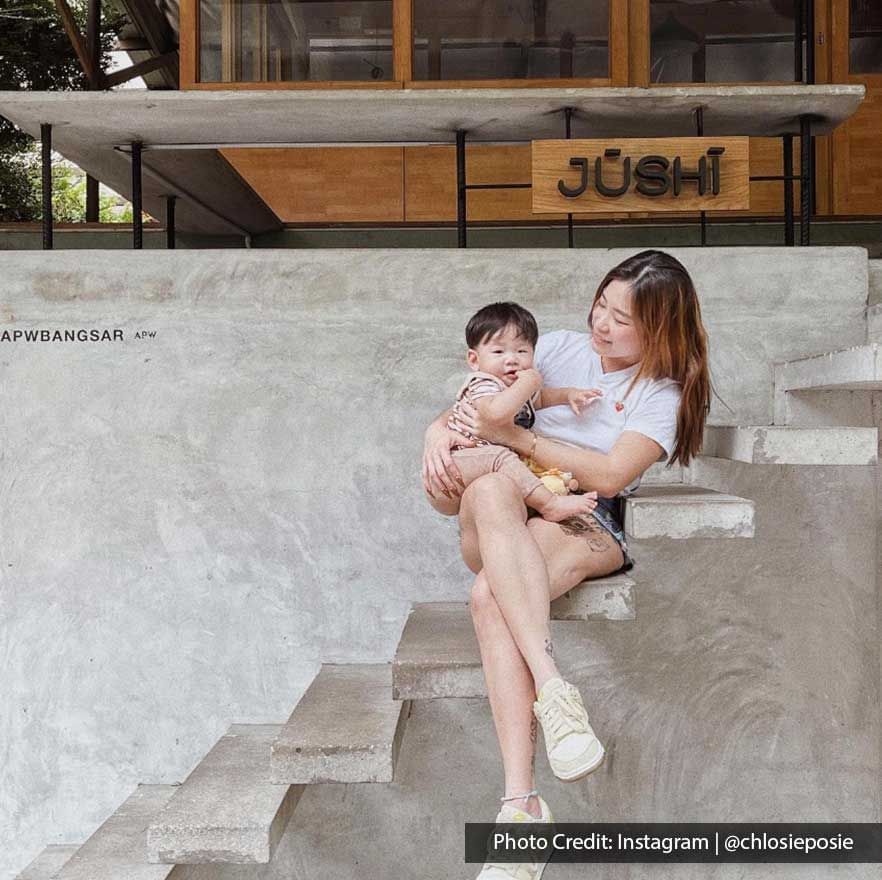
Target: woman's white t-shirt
[{"x": 567, "y": 359}]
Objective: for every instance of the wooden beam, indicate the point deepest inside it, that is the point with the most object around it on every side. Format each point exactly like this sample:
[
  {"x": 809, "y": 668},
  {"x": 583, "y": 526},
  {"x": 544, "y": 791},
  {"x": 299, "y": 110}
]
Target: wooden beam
[
  {"x": 618, "y": 42},
  {"x": 188, "y": 40},
  {"x": 153, "y": 26},
  {"x": 78, "y": 43},
  {"x": 146, "y": 66},
  {"x": 402, "y": 40}
]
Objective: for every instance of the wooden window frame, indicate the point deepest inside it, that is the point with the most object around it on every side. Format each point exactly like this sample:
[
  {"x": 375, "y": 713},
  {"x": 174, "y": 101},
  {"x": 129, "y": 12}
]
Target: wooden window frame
[
  {"x": 640, "y": 51},
  {"x": 402, "y": 54}
]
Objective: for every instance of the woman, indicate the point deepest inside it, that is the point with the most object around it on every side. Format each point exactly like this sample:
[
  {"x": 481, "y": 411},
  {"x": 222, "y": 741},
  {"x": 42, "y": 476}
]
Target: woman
[{"x": 647, "y": 351}]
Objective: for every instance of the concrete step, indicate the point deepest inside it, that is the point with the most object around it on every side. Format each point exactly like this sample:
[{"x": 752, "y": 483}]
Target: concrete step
[
  {"x": 438, "y": 655},
  {"x": 687, "y": 512},
  {"x": 228, "y": 809},
  {"x": 118, "y": 848},
  {"x": 609, "y": 598},
  {"x": 874, "y": 323},
  {"x": 49, "y": 862},
  {"x": 780, "y": 444},
  {"x": 852, "y": 369},
  {"x": 660, "y": 474},
  {"x": 346, "y": 728}
]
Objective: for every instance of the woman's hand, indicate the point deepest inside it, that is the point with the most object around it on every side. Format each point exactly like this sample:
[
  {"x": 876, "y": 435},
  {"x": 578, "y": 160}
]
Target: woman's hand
[
  {"x": 440, "y": 474},
  {"x": 485, "y": 428}
]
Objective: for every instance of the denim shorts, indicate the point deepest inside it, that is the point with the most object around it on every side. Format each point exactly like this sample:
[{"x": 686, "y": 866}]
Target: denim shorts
[{"x": 609, "y": 513}]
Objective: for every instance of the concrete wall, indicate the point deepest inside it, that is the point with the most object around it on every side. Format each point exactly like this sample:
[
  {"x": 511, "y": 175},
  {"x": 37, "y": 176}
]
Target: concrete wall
[
  {"x": 191, "y": 522},
  {"x": 616, "y": 234},
  {"x": 875, "y": 277}
]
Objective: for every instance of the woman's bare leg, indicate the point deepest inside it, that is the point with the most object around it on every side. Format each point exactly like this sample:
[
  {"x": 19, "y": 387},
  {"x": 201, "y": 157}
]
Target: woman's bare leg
[
  {"x": 510, "y": 688},
  {"x": 513, "y": 567}
]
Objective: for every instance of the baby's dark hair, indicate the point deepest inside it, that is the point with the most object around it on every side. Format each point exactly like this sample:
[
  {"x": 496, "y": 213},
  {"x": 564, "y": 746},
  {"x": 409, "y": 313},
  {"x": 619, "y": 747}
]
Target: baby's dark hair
[{"x": 488, "y": 321}]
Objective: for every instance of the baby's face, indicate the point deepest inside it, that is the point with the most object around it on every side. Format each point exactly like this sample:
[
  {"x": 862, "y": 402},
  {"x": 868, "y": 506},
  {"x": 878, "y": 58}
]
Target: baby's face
[{"x": 502, "y": 355}]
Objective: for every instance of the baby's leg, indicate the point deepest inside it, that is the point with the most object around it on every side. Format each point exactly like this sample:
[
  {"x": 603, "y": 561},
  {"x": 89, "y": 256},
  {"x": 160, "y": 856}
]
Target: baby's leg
[{"x": 479, "y": 460}]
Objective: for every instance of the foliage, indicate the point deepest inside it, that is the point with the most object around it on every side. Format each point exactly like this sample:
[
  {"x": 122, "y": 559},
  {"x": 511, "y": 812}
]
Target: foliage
[{"x": 36, "y": 54}]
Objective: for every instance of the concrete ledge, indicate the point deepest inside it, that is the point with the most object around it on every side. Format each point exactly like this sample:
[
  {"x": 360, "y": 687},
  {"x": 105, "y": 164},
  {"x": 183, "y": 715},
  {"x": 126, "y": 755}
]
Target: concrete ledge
[
  {"x": 347, "y": 728},
  {"x": 117, "y": 849},
  {"x": 49, "y": 862},
  {"x": 687, "y": 512},
  {"x": 438, "y": 655},
  {"x": 775, "y": 444},
  {"x": 227, "y": 810},
  {"x": 852, "y": 369}
]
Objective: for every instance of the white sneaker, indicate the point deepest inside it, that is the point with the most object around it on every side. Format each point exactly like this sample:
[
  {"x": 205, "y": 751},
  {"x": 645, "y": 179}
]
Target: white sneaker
[
  {"x": 573, "y": 749},
  {"x": 516, "y": 870}
]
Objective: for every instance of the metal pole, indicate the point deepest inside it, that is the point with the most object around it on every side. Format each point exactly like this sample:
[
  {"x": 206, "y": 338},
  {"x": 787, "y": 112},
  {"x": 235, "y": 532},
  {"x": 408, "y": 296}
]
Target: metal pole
[
  {"x": 461, "y": 221},
  {"x": 92, "y": 203},
  {"x": 137, "y": 227},
  {"x": 46, "y": 153},
  {"x": 788, "y": 189},
  {"x": 805, "y": 179},
  {"x": 568, "y": 116},
  {"x": 93, "y": 44},
  {"x": 170, "y": 222},
  {"x": 798, "y": 30},
  {"x": 810, "y": 42},
  {"x": 699, "y": 127}
]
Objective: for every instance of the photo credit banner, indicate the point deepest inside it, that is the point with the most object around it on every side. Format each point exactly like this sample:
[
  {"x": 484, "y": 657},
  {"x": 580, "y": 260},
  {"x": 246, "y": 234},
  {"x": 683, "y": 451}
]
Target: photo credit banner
[{"x": 641, "y": 174}]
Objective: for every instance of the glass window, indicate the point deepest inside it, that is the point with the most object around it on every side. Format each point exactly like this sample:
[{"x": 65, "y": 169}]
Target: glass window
[
  {"x": 279, "y": 40},
  {"x": 719, "y": 41},
  {"x": 510, "y": 39},
  {"x": 865, "y": 36}
]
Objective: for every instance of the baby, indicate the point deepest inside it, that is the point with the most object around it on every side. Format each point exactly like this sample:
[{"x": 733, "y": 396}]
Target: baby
[{"x": 501, "y": 338}]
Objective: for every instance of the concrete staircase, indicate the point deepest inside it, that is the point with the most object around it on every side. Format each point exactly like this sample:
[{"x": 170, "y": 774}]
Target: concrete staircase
[
  {"x": 234, "y": 806},
  {"x": 796, "y": 438}
]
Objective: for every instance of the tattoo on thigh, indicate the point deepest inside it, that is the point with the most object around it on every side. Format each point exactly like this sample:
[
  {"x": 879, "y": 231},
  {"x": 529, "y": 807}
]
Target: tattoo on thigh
[
  {"x": 587, "y": 527},
  {"x": 549, "y": 648}
]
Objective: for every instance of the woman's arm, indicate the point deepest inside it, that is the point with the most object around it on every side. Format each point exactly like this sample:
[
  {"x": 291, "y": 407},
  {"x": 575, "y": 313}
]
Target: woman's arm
[
  {"x": 440, "y": 474},
  {"x": 607, "y": 473}
]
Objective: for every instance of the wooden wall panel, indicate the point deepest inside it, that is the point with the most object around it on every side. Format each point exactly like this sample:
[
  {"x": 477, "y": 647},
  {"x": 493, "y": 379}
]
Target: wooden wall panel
[
  {"x": 418, "y": 184},
  {"x": 767, "y": 197},
  {"x": 857, "y": 159},
  {"x": 430, "y": 185},
  {"x": 339, "y": 185}
]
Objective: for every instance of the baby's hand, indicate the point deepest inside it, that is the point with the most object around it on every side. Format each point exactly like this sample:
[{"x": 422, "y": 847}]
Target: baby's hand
[
  {"x": 579, "y": 398},
  {"x": 532, "y": 377}
]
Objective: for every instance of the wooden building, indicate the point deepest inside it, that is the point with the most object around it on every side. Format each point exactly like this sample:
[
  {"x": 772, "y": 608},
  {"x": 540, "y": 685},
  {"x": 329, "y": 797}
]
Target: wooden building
[{"x": 422, "y": 44}]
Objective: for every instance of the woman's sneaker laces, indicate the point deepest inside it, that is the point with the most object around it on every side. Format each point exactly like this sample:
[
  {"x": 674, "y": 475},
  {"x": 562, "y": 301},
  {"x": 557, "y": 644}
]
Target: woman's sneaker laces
[
  {"x": 517, "y": 870},
  {"x": 573, "y": 749}
]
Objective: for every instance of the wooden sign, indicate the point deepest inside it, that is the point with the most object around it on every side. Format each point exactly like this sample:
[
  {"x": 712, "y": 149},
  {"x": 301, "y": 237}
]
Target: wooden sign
[{"x": 641, "y": 174}]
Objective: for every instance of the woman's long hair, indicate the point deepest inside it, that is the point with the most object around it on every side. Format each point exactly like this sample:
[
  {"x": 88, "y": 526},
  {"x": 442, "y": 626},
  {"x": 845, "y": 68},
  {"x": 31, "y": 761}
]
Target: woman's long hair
[{"x": 673, "y": 340}]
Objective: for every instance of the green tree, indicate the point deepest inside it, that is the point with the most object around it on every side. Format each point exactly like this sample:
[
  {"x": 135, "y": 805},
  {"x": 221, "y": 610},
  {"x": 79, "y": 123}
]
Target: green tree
[{"x": 35, "y": 54}]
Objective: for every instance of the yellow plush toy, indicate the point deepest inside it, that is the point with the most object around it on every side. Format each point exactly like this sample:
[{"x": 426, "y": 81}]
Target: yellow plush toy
[{"x": 555, "y": 480}]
